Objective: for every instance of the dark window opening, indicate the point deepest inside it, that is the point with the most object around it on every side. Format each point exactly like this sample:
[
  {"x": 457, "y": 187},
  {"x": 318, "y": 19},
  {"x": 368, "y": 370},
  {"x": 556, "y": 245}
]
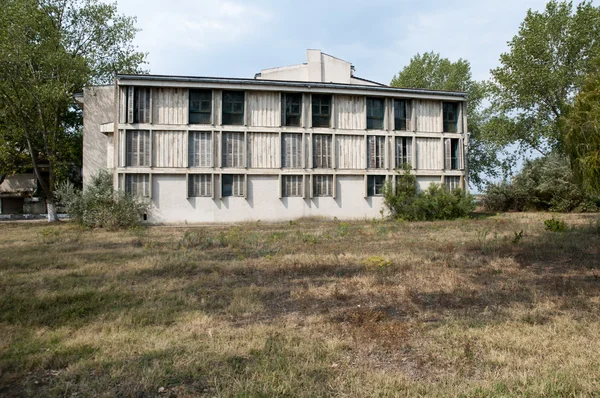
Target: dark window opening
[
  {"x": 321, "y": 110},
  {"x": 399, "y": 115},
  {"x": 450, "y": 117},
  {"x": 233, "y": 108},
  {"x": 200, "y": 106},
  {"x": 375, "y": 113},
  {"x": 291, "y": 111},
  {"x": 375, "y": 185},
  {"x": 454, "y": 154},
  {"x": 232, "y": 185}
]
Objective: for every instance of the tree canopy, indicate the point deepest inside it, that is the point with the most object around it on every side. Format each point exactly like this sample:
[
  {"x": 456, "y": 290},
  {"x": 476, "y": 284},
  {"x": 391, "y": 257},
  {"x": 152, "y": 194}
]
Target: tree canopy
[
  {"x": 430, "y": 71},
  {"x": 50, "y": 50},
  {"x": 541, "y": 74}
]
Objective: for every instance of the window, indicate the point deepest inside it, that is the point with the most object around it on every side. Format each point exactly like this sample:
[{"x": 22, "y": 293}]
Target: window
[
  {"x": 375, "y": 185},
  {"x": 375, "y": 113},
  {"x": 400, "y": 115},
  {"x": 452, "y": 182},
  {"x": 450, "y": 117},
  {"x": 233, "y": 150},
  {"x": 200, "y": 106},
  {"x": 199, "y": 185},
  {"x": 453, "y": 154},
  {"x": 137, "y": 184},
  {"x": 232, "y": 185},
  {"x": 137, "y": 148},
  {"x": 322, "y": 151},
  {"x": 200, "y": 149},
  {"x": 138, "y": 105},
  {"x": 291, "y": 151},
  {"x": 403, "y": 151},
  {"x": 376, "y": 152},
  {"x": 322, "y": 185},
  {"x": 291, "y": 186},
  {"x": 233, "y": 107},
  {"x": 291, "y": 109},
  {"x": 321, "y": 110}
]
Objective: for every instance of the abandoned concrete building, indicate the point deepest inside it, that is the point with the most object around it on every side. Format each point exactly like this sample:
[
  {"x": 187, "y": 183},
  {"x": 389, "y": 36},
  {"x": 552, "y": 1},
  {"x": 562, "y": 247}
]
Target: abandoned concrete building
[{"x": 304, "y": 140}]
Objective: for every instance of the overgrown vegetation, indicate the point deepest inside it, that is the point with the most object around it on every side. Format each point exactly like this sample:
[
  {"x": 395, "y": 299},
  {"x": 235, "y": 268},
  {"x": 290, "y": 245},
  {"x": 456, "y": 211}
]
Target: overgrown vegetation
[
  {"x": 100, "y": 206},
  {"x": 544, "y": 184},
  {"x": 362, "y": 309},
  {"x": 437, "y": 202}
]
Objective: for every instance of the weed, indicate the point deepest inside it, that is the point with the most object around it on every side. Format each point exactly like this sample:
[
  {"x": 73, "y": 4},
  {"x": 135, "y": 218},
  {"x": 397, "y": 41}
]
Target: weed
[
  {"x": 517, "y": 238},
  {"x": 555, "y": 225},
  {"x": 376, "y": 262}
]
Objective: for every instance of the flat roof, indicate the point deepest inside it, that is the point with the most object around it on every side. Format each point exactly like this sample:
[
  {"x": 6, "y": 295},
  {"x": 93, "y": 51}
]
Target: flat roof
[{"x": 285, "y": 83}]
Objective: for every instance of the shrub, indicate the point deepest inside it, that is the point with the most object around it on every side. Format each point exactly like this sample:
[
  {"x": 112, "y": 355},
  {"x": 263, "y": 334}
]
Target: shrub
[
  {"x": 555, "y": 225},
  {"x": 436, "y": 203},
  {"x": 545, "y": 184},
  {"x": 99, "y": 205}
]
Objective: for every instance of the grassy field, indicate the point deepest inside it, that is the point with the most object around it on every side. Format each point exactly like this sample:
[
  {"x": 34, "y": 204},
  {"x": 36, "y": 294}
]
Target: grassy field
[{"x": 493, "y": 306}]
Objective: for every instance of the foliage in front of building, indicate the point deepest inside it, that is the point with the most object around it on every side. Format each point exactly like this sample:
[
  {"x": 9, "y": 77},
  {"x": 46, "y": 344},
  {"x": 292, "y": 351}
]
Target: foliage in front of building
[
  {"x": 100, "y": 205},
  {"x": 437, "y": 202},
  {"x": 545, "y": 184}
]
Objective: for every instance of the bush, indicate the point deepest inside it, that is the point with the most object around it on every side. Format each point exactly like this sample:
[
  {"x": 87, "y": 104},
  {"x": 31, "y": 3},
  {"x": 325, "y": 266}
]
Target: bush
[
  {"x": 435, "y": 203},
  {"x": 555, "y": 225},
  {"x": 99, "y": 205},
  {"x": 545, "y": 184}
]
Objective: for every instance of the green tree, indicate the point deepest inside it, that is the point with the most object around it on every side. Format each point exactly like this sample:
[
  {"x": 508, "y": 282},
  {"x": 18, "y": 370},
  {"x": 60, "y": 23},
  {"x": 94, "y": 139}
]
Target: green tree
[
  {"x": 581, "y": 134},
  {"x": 541, "y": 74},
  {"x": 50, "y": 50},
  {"x": 430, "y": 71}
]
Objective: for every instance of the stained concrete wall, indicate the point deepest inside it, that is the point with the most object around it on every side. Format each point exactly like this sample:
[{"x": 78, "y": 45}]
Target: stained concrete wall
[
  {"x": 170, "y": 205},
  {"x": 99, "y": 108}
]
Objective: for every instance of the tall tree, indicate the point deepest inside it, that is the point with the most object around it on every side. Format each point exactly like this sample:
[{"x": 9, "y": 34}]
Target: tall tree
[
  {"x": 542, "y": 72},
  {"x": 430, "y": 71},
  {"x": 581, "y": 134},
  {"x": 49, "y": 50}
]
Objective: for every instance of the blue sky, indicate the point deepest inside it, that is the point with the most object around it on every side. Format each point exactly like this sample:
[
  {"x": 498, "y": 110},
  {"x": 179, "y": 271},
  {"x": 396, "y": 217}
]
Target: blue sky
[{"x": 238, "y": 38}]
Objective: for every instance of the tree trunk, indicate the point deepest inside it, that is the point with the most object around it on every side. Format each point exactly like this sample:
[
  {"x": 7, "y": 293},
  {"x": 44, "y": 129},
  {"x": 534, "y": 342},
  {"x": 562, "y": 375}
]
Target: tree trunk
[{"x": 52, "y": 214}]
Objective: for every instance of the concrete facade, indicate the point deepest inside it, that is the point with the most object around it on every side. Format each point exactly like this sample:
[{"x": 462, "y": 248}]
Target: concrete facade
[{"x": 299, "y": 141}]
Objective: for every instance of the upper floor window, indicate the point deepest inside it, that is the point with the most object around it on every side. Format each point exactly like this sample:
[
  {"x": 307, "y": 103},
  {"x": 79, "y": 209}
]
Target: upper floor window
[
  {"x": 291, "y": 150},
  {"x": 138, "y": 105},
  {"x": 233, "y": 107},
  {"x": 399, "y": 114},
  {"x": 321, "y": 110},
  {"x": 403, "y": 151},
  {"x": 291, "y": 109},
  {"x": 233, "y": 150},
  {"x": 375, "y": 113},
  {"x": 322, "y": 151},
  {"x": 137, "y": 148},
  {"x": 450, "y": 117},
  {"x": 200, "y": 149},
  {"x": 200, "y": 106},
  {"x": 452, "y": 154},
  {"x": 376, "y": 152}
]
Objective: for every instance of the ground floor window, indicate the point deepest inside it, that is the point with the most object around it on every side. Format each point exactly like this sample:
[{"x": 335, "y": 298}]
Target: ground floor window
[
  {"x": 322, "y": 185},
  {"x": 233, "y": 185},
  {"x": 375, "y": 185},
  {"x": 137, "y": 184},
  {"x": 291, "y": 185},
  {"x": 199, "y": 185}
]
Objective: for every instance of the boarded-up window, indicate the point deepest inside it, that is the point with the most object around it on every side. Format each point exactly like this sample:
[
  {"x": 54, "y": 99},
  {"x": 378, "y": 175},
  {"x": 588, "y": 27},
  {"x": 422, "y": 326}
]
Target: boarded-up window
[
  {"x": 401, "y": 114},
  {"x": 453, "y": 154},
  {"x": 429, "y": 156},
  {"x": 351, "y": 151},
  {"x": 200, "y": 106},
  {"x": 200, "y": 149},
  {"x": 138, "y": 105},
  {"x": 232, "y": 185},
  {"x": 322, "y": 151},
  {"x": 233, "y": 150},
  {"x": 291, "y": 109},
  {"x": 262, "y": 150},
  {"x": 233, "y": 107},
  {"x": 450, "y": 115},
  {"x": 199, "y": 185},
  {"x": 375, "y": 185},
  {"x": 137, "y": 148},
  {"x": 322, "y": 185},
  {"x": 137, "y": 184},
  {"x": 375, "y": 113},
  {"x": 321, "y": 110},
  {"x": 291, "y": 151},
  {"x": 403, "y": 151},
  {"x": 376, "y": 152},
  {"x": 291, "y": 186},
  {"x": 452, "y": 182}
]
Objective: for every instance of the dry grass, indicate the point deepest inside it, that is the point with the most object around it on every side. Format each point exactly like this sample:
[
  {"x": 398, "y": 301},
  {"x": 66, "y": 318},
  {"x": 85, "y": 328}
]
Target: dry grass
[{"x": 308, "y": 308}]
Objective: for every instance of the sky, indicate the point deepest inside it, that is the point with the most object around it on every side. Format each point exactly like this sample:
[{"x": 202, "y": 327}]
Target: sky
[{"x": 238, "y": 38}]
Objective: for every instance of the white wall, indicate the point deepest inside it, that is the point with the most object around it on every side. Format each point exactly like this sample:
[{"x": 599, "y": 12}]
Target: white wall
[
  {"x": 170, "y": 205},
  {"x": 99, "y": 108}
]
